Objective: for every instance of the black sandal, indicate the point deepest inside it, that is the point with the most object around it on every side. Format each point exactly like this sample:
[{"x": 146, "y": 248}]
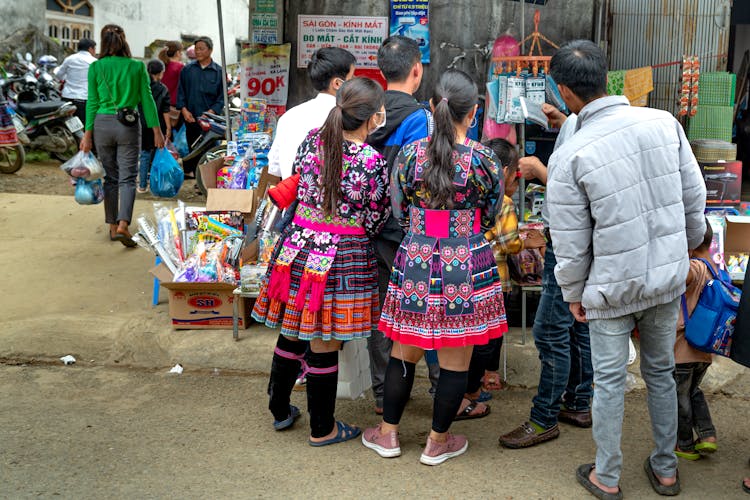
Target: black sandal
[
  {"x": 661, "y": 489},
  {"x": 466, "y": 413},
  {"x": 582, "y": 474}
]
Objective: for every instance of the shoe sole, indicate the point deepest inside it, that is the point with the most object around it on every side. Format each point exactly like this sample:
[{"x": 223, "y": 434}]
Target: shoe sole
[
  {"x": 442, "y": 458},
  {"x": 383, "y": 452}
]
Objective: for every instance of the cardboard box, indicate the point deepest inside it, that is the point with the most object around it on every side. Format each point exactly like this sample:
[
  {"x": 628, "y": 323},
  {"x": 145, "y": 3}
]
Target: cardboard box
[
  {"x": 354, "y": 370},
  {"x": 737, "y": 240},
  {"x": 201, "y": 306},
  {"x": 723, "y": 182}
]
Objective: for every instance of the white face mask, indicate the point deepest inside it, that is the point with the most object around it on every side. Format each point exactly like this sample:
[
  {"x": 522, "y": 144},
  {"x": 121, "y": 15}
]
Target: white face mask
[{"x": 381, "y": 124}]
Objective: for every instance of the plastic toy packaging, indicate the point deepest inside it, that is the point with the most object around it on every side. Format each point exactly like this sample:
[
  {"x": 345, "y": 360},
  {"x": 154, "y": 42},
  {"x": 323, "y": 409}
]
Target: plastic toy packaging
[
  {"x": 251, "y": 276},
  {"x": 89, "y": 192},
  {"x": 737, "y": 264},
  {"x": 83, "y": 166}
]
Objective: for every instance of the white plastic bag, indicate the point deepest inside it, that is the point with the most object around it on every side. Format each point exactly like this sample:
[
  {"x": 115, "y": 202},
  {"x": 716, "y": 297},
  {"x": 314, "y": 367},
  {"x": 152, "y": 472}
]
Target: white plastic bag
[{"x": 83, "y": 166}]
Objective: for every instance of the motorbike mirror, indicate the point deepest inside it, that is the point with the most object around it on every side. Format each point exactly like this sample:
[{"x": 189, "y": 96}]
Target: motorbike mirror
[{"x": 28, "y": 57}]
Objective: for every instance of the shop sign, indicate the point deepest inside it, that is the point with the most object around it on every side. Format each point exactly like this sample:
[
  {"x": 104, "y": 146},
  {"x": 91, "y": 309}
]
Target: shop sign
[
  {"x": 359, "y": 35},
  {"x": 265, "y": 6},
  {"x": 410, "y": 18},
  {"x": 265, "y": 28},
  {"x": 265, "y": 74}
]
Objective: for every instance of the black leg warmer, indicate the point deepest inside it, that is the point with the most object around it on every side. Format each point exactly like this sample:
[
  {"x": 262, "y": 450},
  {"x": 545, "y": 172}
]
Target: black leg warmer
[
  {"x": 480, "y": 358},
  {"x": 399, "y": 379},
  {"x": 321, "y": 391},
  {"x": 284, "y": 370},
  {"x": 450, "y": 391}
]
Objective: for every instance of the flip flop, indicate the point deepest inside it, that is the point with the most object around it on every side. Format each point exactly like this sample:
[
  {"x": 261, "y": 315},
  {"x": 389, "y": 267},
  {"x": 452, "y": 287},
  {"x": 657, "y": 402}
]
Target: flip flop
[
  {"x": 745, "y": 488},
  {"x": 706, "y": 447},
  {"x": 663, "y": 490},
  {"x": 582, "y": 474},
  {"x": 125, "y": 240},
  {"x": 688, "y": 455},
  {"x": 467, "y": 415},
  {"x": 345, "y": 432},
  {"x": 280, "y": 425}
]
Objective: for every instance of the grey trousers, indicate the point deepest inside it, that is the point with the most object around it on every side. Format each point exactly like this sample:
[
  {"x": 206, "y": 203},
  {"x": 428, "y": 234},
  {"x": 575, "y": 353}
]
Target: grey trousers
[
  {"x": 118, "y": 147},
  {"x": 609, "y": 356}
]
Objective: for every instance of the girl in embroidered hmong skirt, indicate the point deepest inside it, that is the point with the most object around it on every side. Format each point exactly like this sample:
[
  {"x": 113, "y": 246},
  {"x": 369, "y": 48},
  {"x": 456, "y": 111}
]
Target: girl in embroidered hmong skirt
[
  {"x": 323, "y": 284},
  {"x": 445, "y": 292}
]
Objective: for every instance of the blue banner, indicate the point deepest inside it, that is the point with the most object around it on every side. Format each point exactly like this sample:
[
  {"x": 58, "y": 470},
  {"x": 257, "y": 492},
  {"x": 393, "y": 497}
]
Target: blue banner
[{"x": 410, "y": 18}]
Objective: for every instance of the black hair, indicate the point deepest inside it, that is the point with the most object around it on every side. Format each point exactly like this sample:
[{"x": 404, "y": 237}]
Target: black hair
[
  {"x": 708, "y": 237},
  {"x": 581, "y": 66},
  {"x": 205, "y": 40},
  {"x": 454, "y": 97},
  {"x": 328, "y": 63},
  {"x": 85, "y": 44},
  {"x": 356, "y": 102},
  {"x": 397, "y": 55},
  {"x": 155, "y": 67},
  {"x": 505, "y": 151},
  {"x": 114, "y": 42}
]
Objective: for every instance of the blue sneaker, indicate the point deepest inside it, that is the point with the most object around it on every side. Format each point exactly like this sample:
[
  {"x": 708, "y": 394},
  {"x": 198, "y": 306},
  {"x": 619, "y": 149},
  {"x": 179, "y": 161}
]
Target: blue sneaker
[{"x": 280, "y": 425}]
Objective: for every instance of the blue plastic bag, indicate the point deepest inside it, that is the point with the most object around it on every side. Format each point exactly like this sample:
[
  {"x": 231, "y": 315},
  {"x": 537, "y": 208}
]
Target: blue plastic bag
[
  {"x": 166, "y": 175},
  {"x": 180, "y": 142},
  {"x": 89, "y": 192}
]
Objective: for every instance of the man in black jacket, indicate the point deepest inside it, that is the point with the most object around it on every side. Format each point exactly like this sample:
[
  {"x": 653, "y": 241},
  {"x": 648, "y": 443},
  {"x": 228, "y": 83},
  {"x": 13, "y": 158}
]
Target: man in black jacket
[{"x": 399, "y": 59}]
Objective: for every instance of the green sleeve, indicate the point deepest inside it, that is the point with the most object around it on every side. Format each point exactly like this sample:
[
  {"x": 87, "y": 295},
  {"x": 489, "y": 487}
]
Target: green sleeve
[
  {"x": 147, "y": 100},
  {"x": 92, "y": 103}
]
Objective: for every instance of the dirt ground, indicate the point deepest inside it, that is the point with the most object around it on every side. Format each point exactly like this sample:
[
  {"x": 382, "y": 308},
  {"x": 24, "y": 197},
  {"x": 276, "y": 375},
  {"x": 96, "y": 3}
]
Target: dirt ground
[
  {"x": 76, "y": 432},
  {"x": 94, "y": 430},
  {"x": 45, "y": 177}
]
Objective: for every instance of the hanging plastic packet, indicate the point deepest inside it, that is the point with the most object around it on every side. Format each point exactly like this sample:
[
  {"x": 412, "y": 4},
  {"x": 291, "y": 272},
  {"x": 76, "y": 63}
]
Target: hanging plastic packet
[
  {"x": 502, "y": 98},
  {"x": 492, "y": 94},
  {"x": 553, "y": 94},
  {"x": 516, "y": 89},
  {"x": 535, "y": 89},
  {"x": 532, "y": 112}
]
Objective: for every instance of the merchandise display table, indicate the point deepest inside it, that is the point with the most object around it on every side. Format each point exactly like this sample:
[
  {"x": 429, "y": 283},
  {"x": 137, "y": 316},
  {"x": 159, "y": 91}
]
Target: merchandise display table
[{"x": 236, "y": 309}]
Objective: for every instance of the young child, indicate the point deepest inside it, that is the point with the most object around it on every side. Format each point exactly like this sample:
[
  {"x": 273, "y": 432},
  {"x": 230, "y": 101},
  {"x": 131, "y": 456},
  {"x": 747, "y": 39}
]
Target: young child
[
  {"x": 507, "y": 241},
  {"x": 691, "y": 366},
  {"x": 161, "y": 97}
]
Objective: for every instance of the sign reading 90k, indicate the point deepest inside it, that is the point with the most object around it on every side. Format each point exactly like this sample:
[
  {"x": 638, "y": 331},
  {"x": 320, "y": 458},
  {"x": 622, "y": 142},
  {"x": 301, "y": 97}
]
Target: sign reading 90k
[{"x": 359, "y": 35}]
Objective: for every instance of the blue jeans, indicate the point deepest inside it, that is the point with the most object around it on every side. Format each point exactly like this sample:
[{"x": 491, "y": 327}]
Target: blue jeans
[
  {"x": 609, "y": 354},
  {"x": 564, "y": 352},
  {"x": 144, "y": 168}
]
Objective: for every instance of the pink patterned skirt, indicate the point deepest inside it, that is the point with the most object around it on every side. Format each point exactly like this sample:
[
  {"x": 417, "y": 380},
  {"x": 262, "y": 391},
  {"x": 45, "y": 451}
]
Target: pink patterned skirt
[{"x": 445, "y": 290}]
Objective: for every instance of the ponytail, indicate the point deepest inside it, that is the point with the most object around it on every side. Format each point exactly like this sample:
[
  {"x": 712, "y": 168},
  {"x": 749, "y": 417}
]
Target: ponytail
[
  {"x": 163, "y": 57},
  {"x": 438, "y": 179},
  {"x": 356, "y": 102},
  {"x": 454, "y": 98},
  {"x": 332, "y": 138}
]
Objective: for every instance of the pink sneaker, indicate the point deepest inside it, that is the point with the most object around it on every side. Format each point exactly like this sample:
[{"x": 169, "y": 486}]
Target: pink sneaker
[
  {"x": 436, "y": 453},
  {"x": 385, "y": 445}
]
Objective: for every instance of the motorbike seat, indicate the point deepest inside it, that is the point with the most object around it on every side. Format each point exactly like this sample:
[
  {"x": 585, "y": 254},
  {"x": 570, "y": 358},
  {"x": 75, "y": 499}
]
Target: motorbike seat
[{"x": 35, "y": 109}]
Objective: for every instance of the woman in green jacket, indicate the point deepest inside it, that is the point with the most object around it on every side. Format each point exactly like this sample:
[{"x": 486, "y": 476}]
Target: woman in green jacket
[{"x": 117, "y": 84}]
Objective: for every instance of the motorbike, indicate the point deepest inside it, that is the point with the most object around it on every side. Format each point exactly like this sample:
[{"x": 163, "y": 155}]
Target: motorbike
[
  {"x": 207, "y": 147},
  {"x": 49, "y": 126},
  {"x": 12, "y": 158},
  {"x": 49, "y": 85}
]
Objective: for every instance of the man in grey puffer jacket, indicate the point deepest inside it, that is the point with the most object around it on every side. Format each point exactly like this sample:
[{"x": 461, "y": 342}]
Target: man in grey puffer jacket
[{"x": 626, "y": 201}]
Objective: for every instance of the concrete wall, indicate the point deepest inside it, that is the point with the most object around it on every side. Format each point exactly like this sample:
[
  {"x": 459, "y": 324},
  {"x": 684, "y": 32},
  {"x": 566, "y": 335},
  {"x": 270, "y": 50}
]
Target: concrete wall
[
  {"x": 147, "y": 20},
  {"x": 19, "y": 14},
  {"x": 462, "y": 25}
]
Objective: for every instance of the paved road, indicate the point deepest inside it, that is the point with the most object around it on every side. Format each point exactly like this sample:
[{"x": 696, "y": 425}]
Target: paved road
[{"x": 94, "y": 432}]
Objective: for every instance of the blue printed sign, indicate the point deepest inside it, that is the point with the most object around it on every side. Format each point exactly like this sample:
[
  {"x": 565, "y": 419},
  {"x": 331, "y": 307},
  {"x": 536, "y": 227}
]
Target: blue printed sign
[{"x": 410, "y": 18}]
